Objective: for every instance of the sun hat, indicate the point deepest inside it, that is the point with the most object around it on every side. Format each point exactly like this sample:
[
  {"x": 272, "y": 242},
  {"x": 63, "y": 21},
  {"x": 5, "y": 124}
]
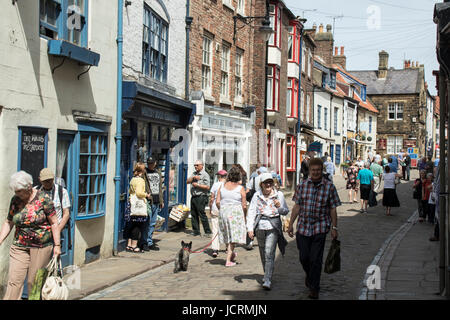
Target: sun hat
[{"x": 46, "y": 174}]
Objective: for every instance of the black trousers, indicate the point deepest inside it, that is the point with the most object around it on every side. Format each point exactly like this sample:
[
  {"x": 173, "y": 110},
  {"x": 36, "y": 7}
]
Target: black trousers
[
  {"x": 436, "y": 230},
  {"x": 198, "y": 205},
  {"x": 311, "y": 257},
  {"x": 134, "y": 230}
]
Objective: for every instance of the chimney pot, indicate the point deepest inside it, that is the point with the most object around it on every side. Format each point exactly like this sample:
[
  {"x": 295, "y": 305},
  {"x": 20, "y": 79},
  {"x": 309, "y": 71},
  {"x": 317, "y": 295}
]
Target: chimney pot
[
  {"x": 321, "y": 28},
  {"x": 335, "y": 51},
  {"x": 342, "y": 51},
  {"x": 328, "y": 27}
]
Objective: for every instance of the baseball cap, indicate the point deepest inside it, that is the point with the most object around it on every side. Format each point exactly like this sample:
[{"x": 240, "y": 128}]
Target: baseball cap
[
  {"x": 46, "y": 174},
  {"x": 221, "y": 173},
  {"x": 151, "y": 160},
  {"x": 265, "y": 176}
]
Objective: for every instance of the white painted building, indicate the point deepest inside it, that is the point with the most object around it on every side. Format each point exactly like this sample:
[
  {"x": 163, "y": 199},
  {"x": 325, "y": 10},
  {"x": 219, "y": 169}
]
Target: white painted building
[{"x": 58, "y": 108}]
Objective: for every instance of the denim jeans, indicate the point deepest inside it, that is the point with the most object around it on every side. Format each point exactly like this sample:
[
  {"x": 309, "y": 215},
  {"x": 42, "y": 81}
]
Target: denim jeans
[
  {"x": 267, "y": 243},
  {"x": 147, "y": 233}
]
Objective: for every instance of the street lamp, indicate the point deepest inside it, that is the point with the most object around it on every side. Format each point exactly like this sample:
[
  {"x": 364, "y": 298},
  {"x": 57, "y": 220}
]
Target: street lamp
[{"x": 265, "y": 28}]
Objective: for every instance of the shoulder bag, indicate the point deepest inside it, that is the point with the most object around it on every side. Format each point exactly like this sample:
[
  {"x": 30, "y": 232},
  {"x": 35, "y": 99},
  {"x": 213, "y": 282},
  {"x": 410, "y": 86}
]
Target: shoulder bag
[
  {"x": 54, "y": 287},
  {"x": 138, "y": 207}
]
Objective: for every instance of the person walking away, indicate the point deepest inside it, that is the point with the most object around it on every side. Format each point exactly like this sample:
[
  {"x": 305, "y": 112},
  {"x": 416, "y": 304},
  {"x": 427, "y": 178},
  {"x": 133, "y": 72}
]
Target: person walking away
[
  {"x": 418, "y": 193},
  {"x": 429, "y": 166},
  {"x": 316, "y": 200},
  {"x": 304, "y": 168},
  {"x": 155, "y": 203},
  {"x": 135, "y": 224},
  {"x": 390, "y": 198},
  {"x": 393, "y": 163},
  {"x": 407, "y": 167},
  {"x": 427, "y": 187},
  {"x": 232, "y": 204},
  {"x": 222, "y": 176},
  {"x": 264, "y": 221},
  {"x": 330, "y": 168},
  {"x": 365, "y": 182},
  {"x": 36, "y": 237},
  {"x": 435, "y": 196},
  {"x": 350, "y": 175},
  {"x": 423, "y": 164},
  {"x": 377, "y": 171},
  {"x": 200, "y": 184}
]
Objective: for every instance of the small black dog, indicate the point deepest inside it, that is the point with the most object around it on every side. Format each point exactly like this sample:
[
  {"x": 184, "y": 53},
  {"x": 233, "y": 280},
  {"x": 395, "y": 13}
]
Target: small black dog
[{"x": 182, "y": 257}]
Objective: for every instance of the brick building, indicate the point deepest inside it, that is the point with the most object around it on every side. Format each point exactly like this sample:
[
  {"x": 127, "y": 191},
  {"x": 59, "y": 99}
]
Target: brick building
[
  {"x": 400, "y": 96},
  {"x": 226, "y": 75}
]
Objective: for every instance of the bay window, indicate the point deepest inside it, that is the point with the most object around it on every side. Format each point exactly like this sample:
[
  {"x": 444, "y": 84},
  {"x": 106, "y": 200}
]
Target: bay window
[
  {"x": 292, "y": 98},
  {"x": 275, "y": 23}
]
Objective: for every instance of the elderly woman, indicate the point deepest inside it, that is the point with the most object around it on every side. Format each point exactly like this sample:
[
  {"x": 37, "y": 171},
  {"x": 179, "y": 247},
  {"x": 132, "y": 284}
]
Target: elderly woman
[
  {"x": 264, "y": 220},
  {"x": 232, "y": 204},
  {"x": 37, "y": 233}
]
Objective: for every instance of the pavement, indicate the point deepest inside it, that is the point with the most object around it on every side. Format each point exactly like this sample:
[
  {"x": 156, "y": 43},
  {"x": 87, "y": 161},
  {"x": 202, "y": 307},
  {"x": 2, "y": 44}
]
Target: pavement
[{"x": 398, "y": 245}]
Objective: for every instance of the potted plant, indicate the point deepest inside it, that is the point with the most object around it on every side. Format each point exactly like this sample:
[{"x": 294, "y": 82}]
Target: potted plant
[{"x": 369, "y": 138}]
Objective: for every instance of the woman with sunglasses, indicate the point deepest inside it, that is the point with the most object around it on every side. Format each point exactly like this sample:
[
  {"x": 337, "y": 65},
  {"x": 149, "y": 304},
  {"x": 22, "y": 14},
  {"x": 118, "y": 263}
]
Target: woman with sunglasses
[{"x": 264, "y": 221}]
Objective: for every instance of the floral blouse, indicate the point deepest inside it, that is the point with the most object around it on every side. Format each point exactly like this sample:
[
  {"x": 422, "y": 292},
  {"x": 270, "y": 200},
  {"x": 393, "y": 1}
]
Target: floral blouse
[{"x": 33, "y": 229}]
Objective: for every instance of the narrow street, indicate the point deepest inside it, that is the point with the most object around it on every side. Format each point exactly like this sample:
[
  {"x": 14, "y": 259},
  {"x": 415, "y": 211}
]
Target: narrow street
[{"x": 361, "y": 235}]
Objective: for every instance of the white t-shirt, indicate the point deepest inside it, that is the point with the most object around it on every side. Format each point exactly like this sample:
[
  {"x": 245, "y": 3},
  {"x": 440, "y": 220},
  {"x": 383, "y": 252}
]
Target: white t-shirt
[
  {"x": 389, "y": 180},
  {"x": 214, "y": 190}
]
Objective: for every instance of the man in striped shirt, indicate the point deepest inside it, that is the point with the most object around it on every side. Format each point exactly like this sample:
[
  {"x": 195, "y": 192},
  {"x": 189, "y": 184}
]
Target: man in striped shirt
[{"x": 316, "y": 200}]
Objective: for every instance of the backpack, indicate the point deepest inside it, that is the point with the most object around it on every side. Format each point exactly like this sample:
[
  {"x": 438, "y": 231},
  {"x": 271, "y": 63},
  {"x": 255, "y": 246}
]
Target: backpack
[{"x": 252, "y": 192}]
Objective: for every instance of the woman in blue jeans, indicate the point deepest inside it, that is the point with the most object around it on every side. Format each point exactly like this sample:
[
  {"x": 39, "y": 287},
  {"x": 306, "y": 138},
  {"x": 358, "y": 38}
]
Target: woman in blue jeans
[{"x": 264, "y": 221}]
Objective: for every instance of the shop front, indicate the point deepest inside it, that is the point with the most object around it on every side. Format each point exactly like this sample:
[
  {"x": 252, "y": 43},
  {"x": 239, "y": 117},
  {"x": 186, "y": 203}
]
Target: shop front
[
  {"x": 220, "y": 138},
  {"x": 149, "y": 121}
]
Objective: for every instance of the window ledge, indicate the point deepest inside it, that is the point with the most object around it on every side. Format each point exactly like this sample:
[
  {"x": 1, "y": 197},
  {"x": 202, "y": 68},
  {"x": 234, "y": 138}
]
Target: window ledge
[
  {"x": 63, "y": 48},
  {"x": 226, "y": 101},
  {"x": 229, "y": 6},
  {"x": 238, "y": 103},
  {"x": 291, "y": 119},
  {"x": 208, "y": 97}
]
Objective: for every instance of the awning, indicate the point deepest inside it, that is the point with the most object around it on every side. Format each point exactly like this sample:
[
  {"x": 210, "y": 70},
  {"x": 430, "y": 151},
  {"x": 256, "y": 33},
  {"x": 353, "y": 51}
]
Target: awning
[{"x": 311, "y": 132}]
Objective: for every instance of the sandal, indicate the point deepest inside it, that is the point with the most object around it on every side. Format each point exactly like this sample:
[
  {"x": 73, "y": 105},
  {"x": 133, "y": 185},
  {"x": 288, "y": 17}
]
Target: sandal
[
  {"x": 136, "y": 250},
  {"x": 129, "y": 249}
]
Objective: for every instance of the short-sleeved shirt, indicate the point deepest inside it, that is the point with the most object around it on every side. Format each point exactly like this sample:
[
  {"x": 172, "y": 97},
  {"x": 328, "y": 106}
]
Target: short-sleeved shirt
[
  {"x": 59, "y": 207},
  {"x": 33, "y": 229},
  {"x": 365, "y": 176},
  {"x": 214, "y": 190},
  {"x": 376, "y": 169},
  {"x": 316, "y": 202},
  {"x": 329, "y": 167},
  {"x": 204, "y": 180}
]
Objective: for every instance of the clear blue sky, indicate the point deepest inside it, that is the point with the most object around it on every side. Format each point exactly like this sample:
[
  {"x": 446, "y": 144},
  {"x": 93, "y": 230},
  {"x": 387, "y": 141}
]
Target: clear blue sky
[{"x": 403, "y": 28}]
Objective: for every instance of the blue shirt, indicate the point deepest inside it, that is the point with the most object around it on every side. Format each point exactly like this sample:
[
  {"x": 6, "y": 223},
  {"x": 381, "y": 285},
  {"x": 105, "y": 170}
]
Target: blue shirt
[
  {"x": 436, "y": 162},
  {"x": 365, "y": 176},
  {"x": 329, "y": 167}
]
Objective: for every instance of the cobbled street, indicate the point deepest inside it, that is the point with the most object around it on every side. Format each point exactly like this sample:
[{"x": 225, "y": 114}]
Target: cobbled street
[{"x": 361, "y": 237}]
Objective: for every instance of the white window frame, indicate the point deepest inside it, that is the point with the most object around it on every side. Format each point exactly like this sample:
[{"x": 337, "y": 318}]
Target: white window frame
[
  {"x": 325, "y": 118},
  {"x": 238, "y": 74},
  {"x": 394, "y": 144},
  {"x": 241, "y": 7},
  {"x": 398, "y": 109},
  {"x": 309, "y": 62},
  {"x": 302, "y": 104},
  {"x": 308, "y": 105},
  {"x": 206, "y": 64},
  {"x": 289, "y": 100},
  {"x": 225, "y": 71}
]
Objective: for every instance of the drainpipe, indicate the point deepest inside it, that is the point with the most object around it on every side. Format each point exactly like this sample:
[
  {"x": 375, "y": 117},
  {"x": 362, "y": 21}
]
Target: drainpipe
[
  {"x": 189, "y": 20},
  {"x": 299, "y": 94},
  {"x": 118, "y": 136}
]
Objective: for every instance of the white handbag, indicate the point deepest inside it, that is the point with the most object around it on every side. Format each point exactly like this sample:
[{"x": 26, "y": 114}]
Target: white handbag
[
  {"x": 138, "y": 207},
  {"x": 54, "y": 287}
]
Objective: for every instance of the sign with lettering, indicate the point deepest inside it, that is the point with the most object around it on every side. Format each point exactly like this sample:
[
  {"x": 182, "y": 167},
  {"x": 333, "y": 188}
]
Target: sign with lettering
[
  {"x": 382, "y": 143},
  {"x": 408, "y": 143},
  {"x": 159, "y": 114},
  {"x": 33, "y": 151}
]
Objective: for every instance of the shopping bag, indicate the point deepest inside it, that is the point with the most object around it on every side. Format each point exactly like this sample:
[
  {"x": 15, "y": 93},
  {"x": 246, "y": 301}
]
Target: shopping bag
[
  {"x": 54, "y": 287},
  {"x": 333, "y": 262},
  {"x": 39, "y": 280},
  {"x": 373, "y": 199}
]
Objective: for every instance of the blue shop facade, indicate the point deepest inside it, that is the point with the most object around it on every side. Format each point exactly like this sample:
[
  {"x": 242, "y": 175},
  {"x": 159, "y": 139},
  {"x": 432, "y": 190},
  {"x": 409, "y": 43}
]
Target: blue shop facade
[{"x": 149, "y": 118}]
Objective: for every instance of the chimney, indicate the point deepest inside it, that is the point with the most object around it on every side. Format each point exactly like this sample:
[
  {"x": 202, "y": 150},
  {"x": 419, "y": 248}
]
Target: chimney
[
  {"x": 335, "y": 51},
  {"x": 321, "y": 28},
  {"x": 405, "y": 64},
  {"x": 340, "y": 59},
  {"x": 383, "y": 64},
  {"x": 329, "y": 28},
  {"x": 314, "y": 27},
  {"x": 324, "y": 44}
]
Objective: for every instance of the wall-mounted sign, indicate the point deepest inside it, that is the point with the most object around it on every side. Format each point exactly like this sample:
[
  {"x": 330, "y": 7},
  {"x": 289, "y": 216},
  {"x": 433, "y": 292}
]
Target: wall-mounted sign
[
  {"x": 409, "y": 143},
  {"x": 381, "y": 144},
  {"x": 33, "y": 151}
]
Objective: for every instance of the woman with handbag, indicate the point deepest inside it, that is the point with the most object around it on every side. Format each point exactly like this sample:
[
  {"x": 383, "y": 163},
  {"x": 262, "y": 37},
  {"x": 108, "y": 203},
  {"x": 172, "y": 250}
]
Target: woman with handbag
[
  {"x": 37, "y": 233},
  {"x": 136, "y": 211},
  {"x": 264, "y": 221},
  {"x": 390, "y": 199}
]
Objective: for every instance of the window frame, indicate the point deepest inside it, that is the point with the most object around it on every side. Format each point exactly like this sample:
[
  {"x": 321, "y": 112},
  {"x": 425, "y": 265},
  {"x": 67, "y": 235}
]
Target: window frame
[
  {"x": 225, "y": 70},
  {"x": 274, "y": 88},
  {"x": 292, "y": 98},
  {"x": 291, "y": 144},
  {"x": 275, "y": 23},
  {"x": 100, "y": 176},
  {"x": 319, "y": 116},
  {"x": 61, "y": 30},
  {"x": 393, "y": 108},
  {"x": 153, "y": 65},
  {"x": 336, "y": 121},
  {"x": 396, "y": 146},
  {"x": 207, "y": 65},
  {"x": 325, "y": 118},
  {"x": 238, "y": 68}
]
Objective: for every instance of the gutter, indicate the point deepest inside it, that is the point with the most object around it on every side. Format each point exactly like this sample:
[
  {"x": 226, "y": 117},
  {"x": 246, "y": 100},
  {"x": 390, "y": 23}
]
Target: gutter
[
  {"x": 189, "y": 20},
  {"x": 118, "y": 136},
  {"x": 299, "y": 94}
]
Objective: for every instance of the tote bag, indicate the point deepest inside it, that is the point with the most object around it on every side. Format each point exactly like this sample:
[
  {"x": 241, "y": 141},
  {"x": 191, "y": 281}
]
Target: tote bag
[
  {"x": 54, "y": 287},
  {"x": 138, "y": 207}
]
